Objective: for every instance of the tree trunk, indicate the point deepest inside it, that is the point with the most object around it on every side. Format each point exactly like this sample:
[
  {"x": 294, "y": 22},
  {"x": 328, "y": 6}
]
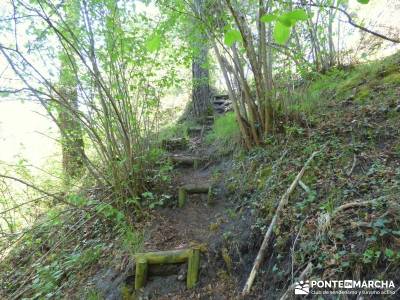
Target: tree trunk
[
  {"x": 71, "y": 136},
  {"x": 332, "y": 15},
  {"x": 200, "y": 71},
  {"x": 70, "y": 128}
]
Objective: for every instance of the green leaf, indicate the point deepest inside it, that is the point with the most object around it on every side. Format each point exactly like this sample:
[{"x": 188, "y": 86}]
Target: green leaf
[
  {"x": 268, "y": 18},
  {"x": 290, "y": 18},
  {"x": 153, "y": 43},
  {"x": 281, "y": 33},
  {"x": 286, "y": 20},
  {"x": 298, "y": 15},
  {"x": 363, "y": 1},
  {"x": 389, "y": 253},
  {"x": 232, "y": 36}
]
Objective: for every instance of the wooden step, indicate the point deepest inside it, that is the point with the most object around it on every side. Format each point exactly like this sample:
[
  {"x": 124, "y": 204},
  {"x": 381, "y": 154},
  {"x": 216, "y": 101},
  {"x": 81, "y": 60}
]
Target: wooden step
[
  {"x": 217, "y": 107},
  {"x": 222, "y": 96},
  {"x": 222, "y": 102},
  {"x": 187, "y": 189},
  {"x": 194, "y": 130},
  {"x": 185, "y": 160},
  {"x": 223, "y": 109},
  {"x": 210, "y": 118},
  {"x": 175, "y": 144},
  {"x": 192, "y": 256}
]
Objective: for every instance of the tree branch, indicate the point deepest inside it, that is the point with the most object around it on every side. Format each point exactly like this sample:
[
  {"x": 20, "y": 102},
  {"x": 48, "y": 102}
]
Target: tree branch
[{"x": 351, "y": 22}]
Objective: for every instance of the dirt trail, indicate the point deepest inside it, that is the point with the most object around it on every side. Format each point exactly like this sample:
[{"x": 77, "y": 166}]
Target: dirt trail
[
  {"x": 196, "y": 223},
  {"x": 180, "y": 227}
]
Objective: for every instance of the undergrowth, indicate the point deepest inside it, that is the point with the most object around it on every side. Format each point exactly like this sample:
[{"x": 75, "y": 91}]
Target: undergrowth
[
  {"x": 225, "y": 134},
  {"x": 64, "y": 247}
]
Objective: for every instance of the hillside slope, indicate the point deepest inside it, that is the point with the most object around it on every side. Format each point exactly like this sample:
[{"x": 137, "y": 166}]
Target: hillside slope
[
  {"x": 351, "y": 116},
  {"x": 343, "y": 220}
]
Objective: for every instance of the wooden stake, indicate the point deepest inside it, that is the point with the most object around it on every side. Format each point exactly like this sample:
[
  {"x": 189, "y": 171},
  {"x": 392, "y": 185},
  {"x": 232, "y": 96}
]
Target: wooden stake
[
  {"x": 193, "y": 268},
  {"x": 141, "y": 272},
  {"x": 196, "y": 164},
  {"x": 210, "y": 198},
  {"x": 182, "y": 197},
  {"x": 268, "y": 234}
]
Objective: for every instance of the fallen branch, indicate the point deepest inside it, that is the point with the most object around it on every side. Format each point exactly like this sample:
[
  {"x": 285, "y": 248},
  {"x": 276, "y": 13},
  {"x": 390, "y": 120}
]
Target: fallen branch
[
  {"x": 351, "y": 205},
  {"x": 264, "y": 245}
]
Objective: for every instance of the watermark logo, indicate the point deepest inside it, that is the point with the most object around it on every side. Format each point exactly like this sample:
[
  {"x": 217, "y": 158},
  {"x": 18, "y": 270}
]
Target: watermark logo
[
  {"x": 302, "y": 288},
  {"x": 348, "y": 284},
  {"x": 348, "y": 287}
]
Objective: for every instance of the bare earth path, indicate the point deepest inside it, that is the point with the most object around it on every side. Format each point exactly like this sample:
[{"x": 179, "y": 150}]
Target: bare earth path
[{"x": 196, "y": 223}]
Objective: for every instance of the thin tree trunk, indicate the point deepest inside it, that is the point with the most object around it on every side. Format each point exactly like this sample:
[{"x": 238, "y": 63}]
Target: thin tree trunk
[
  {"x": 242, "y": 127},
  {"x": 248, "y": 44},
  {"x": 330, "y": 38},
  {"x": 269, "y": 112}
]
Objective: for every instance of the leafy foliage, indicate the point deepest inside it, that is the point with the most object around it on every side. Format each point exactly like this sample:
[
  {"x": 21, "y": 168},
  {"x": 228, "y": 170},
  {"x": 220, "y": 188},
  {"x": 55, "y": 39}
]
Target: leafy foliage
[
  {"x": 284, "y": 23},
  {"x": 232, "y": 36}
]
